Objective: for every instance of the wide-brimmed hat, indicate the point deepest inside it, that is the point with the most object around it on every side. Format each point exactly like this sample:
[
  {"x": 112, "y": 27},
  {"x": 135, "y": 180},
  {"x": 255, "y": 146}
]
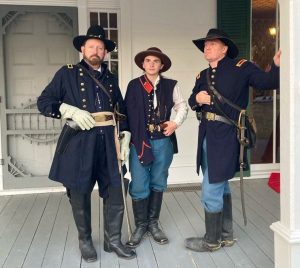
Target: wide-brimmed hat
[
  {"x": 153, "y": 51},
  {"x": 94, "y": 32},
  {"x": 212, "y": 34}
]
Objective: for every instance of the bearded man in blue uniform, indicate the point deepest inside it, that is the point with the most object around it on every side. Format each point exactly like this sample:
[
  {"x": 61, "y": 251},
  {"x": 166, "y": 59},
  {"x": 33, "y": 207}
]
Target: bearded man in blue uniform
[
  {"x": 149, "y": 100},
  {"x": 87, "y": 94},
  {"x": 218, "y": 146}
]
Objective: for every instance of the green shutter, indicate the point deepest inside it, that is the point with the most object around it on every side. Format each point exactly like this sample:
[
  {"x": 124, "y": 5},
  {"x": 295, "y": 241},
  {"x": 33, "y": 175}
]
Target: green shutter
[{"x": 234, "y": 18}]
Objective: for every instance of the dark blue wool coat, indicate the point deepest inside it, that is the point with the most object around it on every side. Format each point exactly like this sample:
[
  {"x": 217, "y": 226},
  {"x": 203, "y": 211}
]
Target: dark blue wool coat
[
  {"x": 138, "y": 102},
  {"x": 232, "y": 79},
  {"x": 73, "y": 86}
]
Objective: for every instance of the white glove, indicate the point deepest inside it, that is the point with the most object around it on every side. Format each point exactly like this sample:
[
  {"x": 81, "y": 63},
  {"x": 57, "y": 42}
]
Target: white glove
[
  {"x": 83, "y": 118},
  {"x": 124, "y": 144}
]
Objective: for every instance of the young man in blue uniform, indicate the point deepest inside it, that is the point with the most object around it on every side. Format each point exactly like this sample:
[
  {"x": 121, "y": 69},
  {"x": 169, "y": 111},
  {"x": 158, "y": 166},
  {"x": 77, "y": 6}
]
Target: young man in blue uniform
[
  {"x": 86, "y": 94},
  {"x": 218, "y": 146},
  {"x": 149, "y": 100}
]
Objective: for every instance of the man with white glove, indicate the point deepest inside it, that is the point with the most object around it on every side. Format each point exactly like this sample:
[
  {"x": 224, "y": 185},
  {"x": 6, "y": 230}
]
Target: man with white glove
[
  {"x": 124, "y": 144},
  {"x": 88, "y": 155},
  {"x": 83, "y": 118}
]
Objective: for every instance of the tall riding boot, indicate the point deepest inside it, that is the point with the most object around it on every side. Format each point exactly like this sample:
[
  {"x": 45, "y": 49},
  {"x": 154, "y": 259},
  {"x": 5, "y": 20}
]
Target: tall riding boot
[
  {"x": 155, "y": 201},
  {"x": 140, "y": 211},
  {"x": 81, "y": 207},
  {"x": 212, "y": 239},
  {"x": 113, "y": 211},
  {"x": 227, "y": 229}
]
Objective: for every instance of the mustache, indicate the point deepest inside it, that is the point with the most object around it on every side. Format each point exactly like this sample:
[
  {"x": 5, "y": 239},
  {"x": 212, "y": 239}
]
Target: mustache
[{"x": 95, "y": 56}]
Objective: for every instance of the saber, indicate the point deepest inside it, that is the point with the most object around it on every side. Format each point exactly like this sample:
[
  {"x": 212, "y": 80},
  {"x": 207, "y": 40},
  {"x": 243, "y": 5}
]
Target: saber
[
  {"x": 241, "y": 124},
  {"x": 125, "y": 199},
  {"x": 119, "y": 137}
]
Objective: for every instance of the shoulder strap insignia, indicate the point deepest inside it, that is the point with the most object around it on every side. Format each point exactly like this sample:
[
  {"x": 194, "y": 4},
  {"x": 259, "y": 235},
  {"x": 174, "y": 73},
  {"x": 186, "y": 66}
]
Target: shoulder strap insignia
[
  {"x": 198, "y": 76},
  {"x": 240, "y": 62},
  {"x": 70, "y": 66}
]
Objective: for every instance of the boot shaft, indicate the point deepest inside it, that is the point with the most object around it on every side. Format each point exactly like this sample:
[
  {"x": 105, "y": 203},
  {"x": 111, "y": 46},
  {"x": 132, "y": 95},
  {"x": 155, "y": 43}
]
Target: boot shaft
[
  {"x": 140, "y": 212},
  {"x": 227, "y": 228},
  {"x": 81, "y": 208},
  {"x": 213, "y": 225},
  {"x": 154, "y": 207},
  {"x": 113, "y": 212}
]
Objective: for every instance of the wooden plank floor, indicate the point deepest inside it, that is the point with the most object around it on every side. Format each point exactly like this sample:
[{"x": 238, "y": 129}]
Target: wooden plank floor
[{"x": 37, "y": 230}]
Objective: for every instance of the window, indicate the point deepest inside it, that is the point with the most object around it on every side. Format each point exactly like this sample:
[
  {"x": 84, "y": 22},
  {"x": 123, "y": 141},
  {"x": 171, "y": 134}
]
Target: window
[{"x": 109, "y": 22}]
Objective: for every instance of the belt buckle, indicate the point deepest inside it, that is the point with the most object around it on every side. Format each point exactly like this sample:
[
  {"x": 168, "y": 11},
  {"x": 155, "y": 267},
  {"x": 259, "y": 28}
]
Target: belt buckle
[
  {"x": 107, "y": 117},
  {"x": 100, "y": 118},
  {"x": 210, "y": 116},
  {"x": 151, "y": 127}
]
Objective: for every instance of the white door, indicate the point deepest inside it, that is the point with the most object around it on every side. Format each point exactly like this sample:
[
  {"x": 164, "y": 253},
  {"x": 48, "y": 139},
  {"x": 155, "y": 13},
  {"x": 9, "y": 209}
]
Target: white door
[{"x": 36, "y": 44}]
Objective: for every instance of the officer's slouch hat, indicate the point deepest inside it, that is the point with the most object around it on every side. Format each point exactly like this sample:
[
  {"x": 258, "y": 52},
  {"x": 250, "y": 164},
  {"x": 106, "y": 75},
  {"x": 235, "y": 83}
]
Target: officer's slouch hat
[
  {"x": 212, "y": 34},
  {"x": 94, "y": 32}
]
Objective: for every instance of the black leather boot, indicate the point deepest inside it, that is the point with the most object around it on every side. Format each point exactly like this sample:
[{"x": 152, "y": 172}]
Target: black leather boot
[
  {"x": 155, "y": 201},
  {"x": 81, "y": 207},
  {"x": 212, "y": 239},
  {"x": 227, "y": 229},
  {"x": 113, "y": 211},
  {"x": 140, "y": 211}
]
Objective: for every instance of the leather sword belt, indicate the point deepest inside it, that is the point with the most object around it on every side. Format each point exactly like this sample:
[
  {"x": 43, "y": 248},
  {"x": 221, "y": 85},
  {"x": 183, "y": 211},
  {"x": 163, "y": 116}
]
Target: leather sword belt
[
  {"x": 214, "y": 117},
  {"x": 104, "y": 119},
  {"x": 157, "y": 127}
]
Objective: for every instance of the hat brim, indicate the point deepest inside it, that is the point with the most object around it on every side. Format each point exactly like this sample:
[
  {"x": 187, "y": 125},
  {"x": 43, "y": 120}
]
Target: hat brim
[
  {"x": 78, "y": 41},
  {"x": 232, "y": 51},
  {"x": 165, "y": 60}
]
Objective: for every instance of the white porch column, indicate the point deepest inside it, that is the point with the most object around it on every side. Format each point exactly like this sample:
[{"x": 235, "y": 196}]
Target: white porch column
[
  {"x": 82, "y": 6},
  {"x": 287, "y": 230},
  {"x": 126, "y": 58},
  {"x": 82, "y": 16}
]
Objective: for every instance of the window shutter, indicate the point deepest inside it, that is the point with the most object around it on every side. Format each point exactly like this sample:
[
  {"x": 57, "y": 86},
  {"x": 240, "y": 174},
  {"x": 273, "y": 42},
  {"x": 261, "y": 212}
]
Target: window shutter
[{"x": 234, "y": 18}]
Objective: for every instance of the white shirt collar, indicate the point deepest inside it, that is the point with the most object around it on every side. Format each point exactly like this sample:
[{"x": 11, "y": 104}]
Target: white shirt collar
[{"x": 156, "y": 82}]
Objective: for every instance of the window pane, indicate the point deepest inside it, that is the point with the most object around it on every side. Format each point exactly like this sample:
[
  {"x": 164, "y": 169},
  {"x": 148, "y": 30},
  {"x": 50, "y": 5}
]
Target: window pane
[
  {"x": 114, "y": 36},
  {"x": 93, "y": 18},
  {"x": 113, "y": 20},
  {"x": 103, "y": 20},
  {"x": 114, "y": 55},
  {"x": 114, "y": 67},
  {"x": 263, "y": 49}
]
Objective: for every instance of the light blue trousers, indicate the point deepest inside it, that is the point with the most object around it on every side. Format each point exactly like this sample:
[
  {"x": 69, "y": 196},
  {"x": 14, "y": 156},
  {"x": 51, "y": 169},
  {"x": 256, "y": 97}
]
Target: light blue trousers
[
  {"x": 212, "y": 193},
  {"x": 153, "y": 176}
]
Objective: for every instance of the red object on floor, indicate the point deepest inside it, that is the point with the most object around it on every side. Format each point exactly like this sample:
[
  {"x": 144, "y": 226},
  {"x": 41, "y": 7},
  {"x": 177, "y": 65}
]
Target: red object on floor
[{"x": 274, "y": 181}]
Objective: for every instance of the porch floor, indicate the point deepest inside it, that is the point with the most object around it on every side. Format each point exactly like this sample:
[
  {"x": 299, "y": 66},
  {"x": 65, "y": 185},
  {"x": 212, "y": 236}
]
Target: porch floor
[{"x": 38, "y": 230}]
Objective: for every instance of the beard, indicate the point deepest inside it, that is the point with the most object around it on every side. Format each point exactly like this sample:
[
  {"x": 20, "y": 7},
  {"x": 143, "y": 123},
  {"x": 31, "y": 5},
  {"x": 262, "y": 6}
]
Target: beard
[{"x": 94, "y": 60}]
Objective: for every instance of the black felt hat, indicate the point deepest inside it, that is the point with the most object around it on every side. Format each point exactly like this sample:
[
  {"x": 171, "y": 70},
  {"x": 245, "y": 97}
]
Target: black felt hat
[
  {"x": 94, "y": 32},
  {"x": 153, "y": 51},
  {"x": 212, "y": 34}
]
